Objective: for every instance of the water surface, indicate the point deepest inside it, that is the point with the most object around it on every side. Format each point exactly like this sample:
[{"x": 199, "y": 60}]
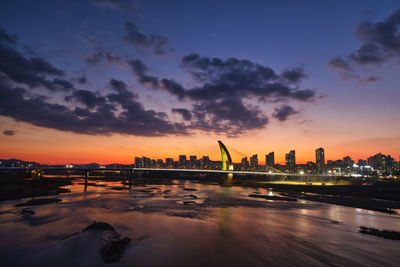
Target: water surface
[{"x": 192, "y": 224}]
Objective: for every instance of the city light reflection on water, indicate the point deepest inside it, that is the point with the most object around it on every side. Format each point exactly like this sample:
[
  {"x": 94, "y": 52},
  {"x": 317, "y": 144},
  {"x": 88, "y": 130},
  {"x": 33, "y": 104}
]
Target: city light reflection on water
[{"x": 189, "y": 223}]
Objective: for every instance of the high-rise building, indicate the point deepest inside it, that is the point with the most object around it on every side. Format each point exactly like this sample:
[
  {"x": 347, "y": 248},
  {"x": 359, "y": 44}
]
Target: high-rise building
[
  {"x": 193, "y": 161},
  {"x": 169, "y": 162},
  {"x": 244, "y": 164},
  {"x": 320, "y": 160},
  {"x": 270, "y": 159},
  {"x": 254, "y": 162},
  {"x": 159, "y": 163},
  {"x": 291, "y": 161},
  {"x": 182, "y": 161},
  {"x": 348, "y": 161},
  {"x": 138, "y": 162}
]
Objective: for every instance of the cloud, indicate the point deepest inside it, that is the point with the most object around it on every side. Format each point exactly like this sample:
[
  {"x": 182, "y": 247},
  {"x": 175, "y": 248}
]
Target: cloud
[
  {"x": 283, "y": 112},
  {"x": 217, "y": 101},
  {"x": 143, "y": 43},
  {"x": 140, "y": 70},
  {"x": 173, "y": 88},
  {"x": 9, "y": 132},
  {"x": 226, "y": 98},
  {"x": 66, "y": 85},
  {"x": 185, "y": 113},
  {"x": 82, "y": 79},
  {"x": 124, "y": 5},
  {"x": 380, "y": 43},
  {"x": 101, "y": 115},
  {"x": 368, "y": 54},
  {"x": 88, "y": 98},
  {"x": 242, "y": 78},
  {"x": 7, "y": 39},
  {"x": 101, "y": 55},
  {"x": 338, "y": 63},
  {"x": 373, "y": 78},
  {"x": 294, "y": 75},
  {"x": 228, "y": 116},
  {"x": 32, "y": 72}
]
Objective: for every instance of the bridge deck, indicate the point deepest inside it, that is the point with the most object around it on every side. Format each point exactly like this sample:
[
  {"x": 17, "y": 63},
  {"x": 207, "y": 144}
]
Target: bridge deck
[{"x": 169, "y": 170}]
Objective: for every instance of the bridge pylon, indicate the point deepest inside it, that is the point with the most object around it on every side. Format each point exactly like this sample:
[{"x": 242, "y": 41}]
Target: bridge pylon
[{"x": 226, "y": 157}]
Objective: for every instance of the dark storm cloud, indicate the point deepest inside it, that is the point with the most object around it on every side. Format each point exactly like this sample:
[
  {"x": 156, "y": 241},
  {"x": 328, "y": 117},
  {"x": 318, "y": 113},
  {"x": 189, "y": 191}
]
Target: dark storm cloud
[
  {"x": 144, "y": 43},
  {"x": 100, "y": 116},
  {"x": 9, "y": 132},
  {"x": 283, "y": 112},
  {"x": 185, "y": 113},
  {"x": 380, "y": 44},
  {"x": 125, "y": 5},
  {"x": 29, "y": 71}
]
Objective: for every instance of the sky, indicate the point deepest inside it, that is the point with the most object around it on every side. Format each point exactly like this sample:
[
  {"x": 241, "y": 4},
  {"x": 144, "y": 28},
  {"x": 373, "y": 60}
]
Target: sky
[{"x": 107, "y": 80}]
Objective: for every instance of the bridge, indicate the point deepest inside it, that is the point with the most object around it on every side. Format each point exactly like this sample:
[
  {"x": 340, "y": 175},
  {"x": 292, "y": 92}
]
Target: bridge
[{"x": 227, "y": 168}]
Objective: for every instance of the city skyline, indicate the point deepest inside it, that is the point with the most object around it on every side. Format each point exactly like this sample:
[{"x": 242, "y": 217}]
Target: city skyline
[{"x": 76, "y": 87}]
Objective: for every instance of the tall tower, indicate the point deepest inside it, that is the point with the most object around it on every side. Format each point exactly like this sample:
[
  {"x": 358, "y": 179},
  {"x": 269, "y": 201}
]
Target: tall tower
[
  {"x": 320, "y": 160},
  {"x": 226, "y": 157}
]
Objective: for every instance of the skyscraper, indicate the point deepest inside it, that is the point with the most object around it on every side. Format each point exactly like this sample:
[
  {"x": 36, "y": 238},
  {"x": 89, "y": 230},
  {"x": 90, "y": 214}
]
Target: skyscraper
[
  {"x": 270, "y": 159},
  {"x": 169, "y": 162},
  {"x": 320, "y": 160},
  {"x": 193, "y": 161},
  {"x": 182, "y": 161},
  {"x": 254, "y": 162},
  {"x": 291, "y": 161},
  {"x": 245, "y": 164}
]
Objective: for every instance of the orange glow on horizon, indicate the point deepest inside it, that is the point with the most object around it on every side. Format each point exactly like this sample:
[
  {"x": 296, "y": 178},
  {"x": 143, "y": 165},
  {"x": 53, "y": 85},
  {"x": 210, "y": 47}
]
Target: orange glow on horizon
[{"x": 42, "y": 145}]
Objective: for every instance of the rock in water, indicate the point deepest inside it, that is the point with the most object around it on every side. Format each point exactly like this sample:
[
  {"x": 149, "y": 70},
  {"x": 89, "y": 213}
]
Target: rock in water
[
  {"x": 99, "y": 226},
  {"x": 114, "y": 250},
  {"x": 27, "y": 212},
  {"x": 112, "y": 245}
]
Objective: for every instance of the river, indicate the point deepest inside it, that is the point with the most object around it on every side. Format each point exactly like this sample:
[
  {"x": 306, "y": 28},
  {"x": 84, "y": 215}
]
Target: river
[{"x": 191, "y": 224}]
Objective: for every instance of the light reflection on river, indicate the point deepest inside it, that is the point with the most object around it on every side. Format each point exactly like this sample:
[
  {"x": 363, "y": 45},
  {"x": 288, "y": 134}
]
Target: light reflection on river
[{"x": 217, "y": 226}]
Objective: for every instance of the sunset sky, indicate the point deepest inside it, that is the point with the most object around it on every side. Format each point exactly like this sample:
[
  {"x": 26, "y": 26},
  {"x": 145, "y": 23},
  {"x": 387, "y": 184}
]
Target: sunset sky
[{"x": 105, "y": 81}]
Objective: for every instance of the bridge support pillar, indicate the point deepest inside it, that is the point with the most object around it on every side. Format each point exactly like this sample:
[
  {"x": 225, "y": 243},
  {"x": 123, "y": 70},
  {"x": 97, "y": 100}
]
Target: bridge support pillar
[
  {"x": 130, "y": 178},
  {"x": 86, "y": 177}
]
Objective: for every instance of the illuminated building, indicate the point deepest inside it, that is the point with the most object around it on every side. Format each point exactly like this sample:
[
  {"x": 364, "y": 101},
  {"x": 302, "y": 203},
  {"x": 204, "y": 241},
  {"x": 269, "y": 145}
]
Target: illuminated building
[
  {"x": 244, "y": 164},
  {"x": 182, "y": 161},
  {"x": 254, "y": 162},
  {"x": 320, "y": 160},
  {"x": 270, "y": 159},
  {"x": 291, "y": 161}
]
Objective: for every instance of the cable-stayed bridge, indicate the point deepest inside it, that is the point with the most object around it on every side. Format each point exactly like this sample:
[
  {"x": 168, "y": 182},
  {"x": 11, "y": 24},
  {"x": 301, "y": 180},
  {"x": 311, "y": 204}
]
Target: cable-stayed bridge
[{"x": 226, "y": 168}]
